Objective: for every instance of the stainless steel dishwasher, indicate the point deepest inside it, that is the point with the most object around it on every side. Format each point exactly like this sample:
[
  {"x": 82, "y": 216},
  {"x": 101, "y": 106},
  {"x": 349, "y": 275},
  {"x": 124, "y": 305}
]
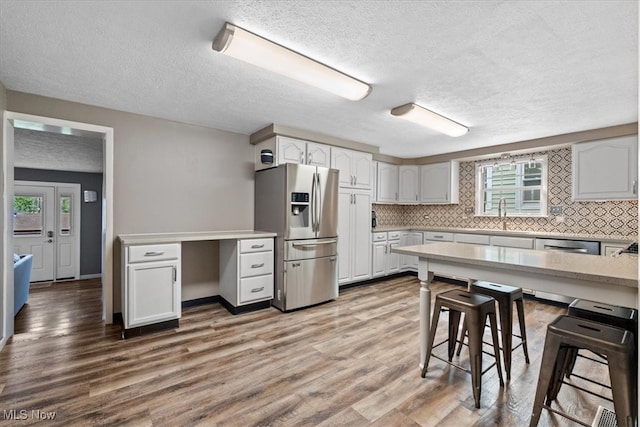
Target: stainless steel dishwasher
[{"x": 561, "y": 245}]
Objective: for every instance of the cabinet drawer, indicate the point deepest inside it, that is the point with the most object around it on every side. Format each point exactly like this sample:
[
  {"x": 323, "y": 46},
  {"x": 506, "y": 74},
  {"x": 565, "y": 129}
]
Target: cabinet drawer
[
  {"x": 394, "y": 235},
  {"x": 256, "y": 245},
  {"x": 379, "y": 236},
  {"x": 431, "y": 235},
  {"x": 477, "y": 239},
  {"x": 512, "y": 242},
  {"x": 256, "y": 264},
  {"x": 256, "y": 288},
  {"x": 148, "y": 253}
]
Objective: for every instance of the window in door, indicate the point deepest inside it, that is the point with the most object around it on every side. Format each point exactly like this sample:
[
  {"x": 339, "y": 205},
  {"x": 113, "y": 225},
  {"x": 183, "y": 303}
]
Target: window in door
[
  {"x": 65, "y": 218},
  {"x": 521, "y": 183},
  {"x": 27, "y": 215}
]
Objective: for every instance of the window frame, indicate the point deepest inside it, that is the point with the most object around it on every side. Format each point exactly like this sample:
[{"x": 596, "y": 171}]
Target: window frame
[{"x": 544, "y": 186}]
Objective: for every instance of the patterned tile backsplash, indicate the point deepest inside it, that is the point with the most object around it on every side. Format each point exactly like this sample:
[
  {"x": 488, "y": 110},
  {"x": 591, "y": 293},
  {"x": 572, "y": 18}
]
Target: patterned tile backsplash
[{"x": 612, "y": 218}]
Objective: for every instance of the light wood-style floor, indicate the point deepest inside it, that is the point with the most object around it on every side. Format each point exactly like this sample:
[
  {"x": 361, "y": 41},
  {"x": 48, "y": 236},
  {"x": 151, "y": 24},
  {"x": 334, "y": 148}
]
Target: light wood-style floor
[{"x": 350, "y": 362}]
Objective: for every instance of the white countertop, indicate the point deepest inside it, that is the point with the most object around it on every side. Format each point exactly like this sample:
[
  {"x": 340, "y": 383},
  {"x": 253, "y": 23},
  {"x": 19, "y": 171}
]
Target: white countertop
[
  {"x": 151, "y": 238},
  {"x": 625, "y": 240},
  {"x": 622, "y": 271}
]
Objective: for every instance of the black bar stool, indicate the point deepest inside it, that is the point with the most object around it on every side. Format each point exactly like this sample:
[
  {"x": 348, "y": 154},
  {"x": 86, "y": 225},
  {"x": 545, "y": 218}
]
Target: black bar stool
[
  {"x": 476, "y": 309},
  {"x": 505, "y": 296},
  {"x": 566, "y": 333},
  {"x": 613, "y": 315}
]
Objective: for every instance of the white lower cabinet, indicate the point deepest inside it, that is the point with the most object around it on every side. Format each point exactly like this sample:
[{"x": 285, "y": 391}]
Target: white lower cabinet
[
  {"x": 379, "y": 252},
  {"x": 512, "y": 242},
  {"x": 246, "y": 273},
  {"x": 476, "y": 239},
  {"x": 410, "y": 238},
  {"x": 354, "y": 234},
  {"x": 385, "y": 262},
  {"x": 151, "y": 284}
]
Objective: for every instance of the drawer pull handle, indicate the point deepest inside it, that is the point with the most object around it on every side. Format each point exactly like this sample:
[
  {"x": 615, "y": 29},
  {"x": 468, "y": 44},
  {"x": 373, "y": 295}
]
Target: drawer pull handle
[
  {"x": 257, "y": 246},
  {"x": 438, "y": 237},
  {"x": 257, "y": 265},
  {"x": 254, "y": 290},
  {"x": 154, "y": 253}
]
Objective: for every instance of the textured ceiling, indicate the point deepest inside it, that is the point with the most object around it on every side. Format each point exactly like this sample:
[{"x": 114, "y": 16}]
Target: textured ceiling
[{"x": 509, "y": 70}]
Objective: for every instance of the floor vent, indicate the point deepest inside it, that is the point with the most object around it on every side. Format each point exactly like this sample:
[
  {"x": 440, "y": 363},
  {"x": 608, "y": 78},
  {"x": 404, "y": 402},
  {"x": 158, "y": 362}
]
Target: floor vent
[{"x": 605, "y": 418}]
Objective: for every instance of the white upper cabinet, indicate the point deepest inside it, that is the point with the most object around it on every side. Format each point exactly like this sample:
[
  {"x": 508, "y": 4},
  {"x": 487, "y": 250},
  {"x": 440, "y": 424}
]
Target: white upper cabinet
[
  {"x": 408, "y": 189},
  {"x": 354, "y": 167},
  {"x": 318, "y": 154},
  {"x": 292, "y": 150},
  {"x": 387, "y": 183},
  {"x": 439, "y": 182},
  {"x": 606, "y": 169}
]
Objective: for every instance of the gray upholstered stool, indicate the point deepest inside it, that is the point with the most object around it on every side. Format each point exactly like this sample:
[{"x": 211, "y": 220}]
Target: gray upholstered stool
[
  {"x": 476, "y": 309},
  {"x": 613, "y": 315},
  {"x": 505, "y": 297},
  {"x": 567, "y": 332}
]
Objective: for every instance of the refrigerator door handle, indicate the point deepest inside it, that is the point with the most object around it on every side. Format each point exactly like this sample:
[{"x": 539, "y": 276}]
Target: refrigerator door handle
[
  {"x": 317, "y": 205},
  {"x": 312, "y": 244},
  {"x": 313, "y": 203}
]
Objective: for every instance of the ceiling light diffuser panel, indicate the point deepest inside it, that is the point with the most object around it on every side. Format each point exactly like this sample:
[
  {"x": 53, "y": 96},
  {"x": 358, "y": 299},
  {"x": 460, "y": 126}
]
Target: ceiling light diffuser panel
[
  {"x": 246, "y": 46},
  {"x": 417, "y": 114}
]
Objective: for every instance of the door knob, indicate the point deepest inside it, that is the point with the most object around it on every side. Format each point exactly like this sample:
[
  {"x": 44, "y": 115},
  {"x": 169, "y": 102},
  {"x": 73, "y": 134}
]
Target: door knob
[
  {"x": 50, "y": 241},
  {"x": 49, "y": 233}
]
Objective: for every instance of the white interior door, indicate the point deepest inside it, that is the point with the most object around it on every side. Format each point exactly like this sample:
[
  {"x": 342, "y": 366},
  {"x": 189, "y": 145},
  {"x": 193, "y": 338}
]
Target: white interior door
[
  {"x": 47, "y": 225},
  {"x": 33, "y": 228},
  {"x": 67, "y": 234}
]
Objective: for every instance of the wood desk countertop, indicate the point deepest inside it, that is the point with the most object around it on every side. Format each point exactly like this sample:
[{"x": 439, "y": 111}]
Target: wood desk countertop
[{"x": 178, "y": 237}]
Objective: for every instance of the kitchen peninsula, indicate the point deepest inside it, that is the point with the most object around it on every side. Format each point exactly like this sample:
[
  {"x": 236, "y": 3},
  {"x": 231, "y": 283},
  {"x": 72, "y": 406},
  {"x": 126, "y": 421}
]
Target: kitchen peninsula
[
  {"x": 151, "y": 275},
  {"x": 613, "y": 280}
]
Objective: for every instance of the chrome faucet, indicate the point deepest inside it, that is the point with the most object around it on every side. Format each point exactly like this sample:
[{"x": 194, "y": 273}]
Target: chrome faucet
[{"x": 504, "y": 217}]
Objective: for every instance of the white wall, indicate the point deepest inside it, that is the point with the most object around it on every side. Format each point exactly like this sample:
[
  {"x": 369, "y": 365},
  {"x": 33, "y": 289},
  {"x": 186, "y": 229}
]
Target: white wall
[{"x": 168, "y": 176}]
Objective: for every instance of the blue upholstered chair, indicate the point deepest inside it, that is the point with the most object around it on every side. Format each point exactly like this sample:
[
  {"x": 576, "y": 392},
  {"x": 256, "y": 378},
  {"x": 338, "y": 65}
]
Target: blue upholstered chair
[{"x": 21, "y": 278}]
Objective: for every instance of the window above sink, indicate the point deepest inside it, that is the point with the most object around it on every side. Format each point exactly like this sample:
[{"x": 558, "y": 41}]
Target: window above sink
[{"x": 521, "y": 184}]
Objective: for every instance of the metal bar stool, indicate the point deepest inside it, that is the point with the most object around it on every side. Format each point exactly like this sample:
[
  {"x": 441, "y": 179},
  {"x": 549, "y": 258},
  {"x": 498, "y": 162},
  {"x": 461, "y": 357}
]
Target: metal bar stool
[
  {"x": 505, "y": 296},
  {"x": 476, "y": 309},
  {"x": 613, "y": 315},
  {"x": 566, "y": 333}
]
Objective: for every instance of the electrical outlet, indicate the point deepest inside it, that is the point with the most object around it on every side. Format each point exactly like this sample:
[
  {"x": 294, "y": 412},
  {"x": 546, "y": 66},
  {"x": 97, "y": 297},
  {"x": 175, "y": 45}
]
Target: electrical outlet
[
  {"x": 555, "y": 210},
  {"x": 468, "y": 210}
]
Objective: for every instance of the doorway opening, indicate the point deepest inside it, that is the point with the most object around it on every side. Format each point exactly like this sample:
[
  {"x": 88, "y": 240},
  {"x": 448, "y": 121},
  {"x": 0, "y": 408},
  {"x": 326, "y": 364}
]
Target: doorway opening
[{"x": 11, "y": 121}]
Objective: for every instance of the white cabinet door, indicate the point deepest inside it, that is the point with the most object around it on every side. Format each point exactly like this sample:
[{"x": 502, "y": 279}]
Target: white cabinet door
[
  {"x": 354, "y": 235},
  {"x": 341, "y": 160},
  {"x": 361, "y": 168},
  {"x": 413, "y": 238},
  {"x": 354, "y": 167},
  {"x": 409, "y": 177},
  {"x": 361, "y": 229},
  {"x": 606, "y": 170},
  {"x": 291, "y": 150},
  {"x": 345, "y": 201},
  {"x": 318, "y": 154},
  {"x": 439, "y": 183},
  {"x": 153, "y": 293},
  {"x": 387, "y": 183},
  {"x": 393, "y": 259},
  {"x": 379, "y": 259}
]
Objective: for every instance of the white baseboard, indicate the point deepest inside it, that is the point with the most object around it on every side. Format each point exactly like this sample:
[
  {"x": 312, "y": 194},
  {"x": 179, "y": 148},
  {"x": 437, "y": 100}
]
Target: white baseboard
[{"x": 90, "y": 276}]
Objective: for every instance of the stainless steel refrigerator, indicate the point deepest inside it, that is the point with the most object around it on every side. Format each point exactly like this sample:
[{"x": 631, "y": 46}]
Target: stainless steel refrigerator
[{"x": 300, "y": 204}]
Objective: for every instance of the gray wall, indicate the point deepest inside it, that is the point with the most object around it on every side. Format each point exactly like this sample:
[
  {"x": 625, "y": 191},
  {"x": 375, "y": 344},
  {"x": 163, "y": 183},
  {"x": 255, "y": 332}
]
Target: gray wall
[
  {"x": 168, "y": 176},
  {"x": 90, "y": 213}
]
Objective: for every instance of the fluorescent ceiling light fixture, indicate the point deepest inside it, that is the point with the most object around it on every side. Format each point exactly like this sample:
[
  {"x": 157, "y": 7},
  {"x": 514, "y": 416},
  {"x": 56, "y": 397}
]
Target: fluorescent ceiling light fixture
[
  {"x": 417, "y": 114},
  {"x": 241, "y": 44}
]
